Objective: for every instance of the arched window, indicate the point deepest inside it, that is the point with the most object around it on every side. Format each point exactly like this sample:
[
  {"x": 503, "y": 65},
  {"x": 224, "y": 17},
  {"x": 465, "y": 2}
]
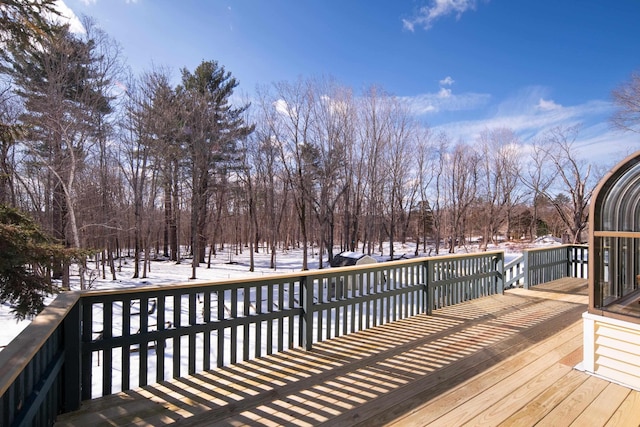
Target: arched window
[{"x": 614, "y": 279}]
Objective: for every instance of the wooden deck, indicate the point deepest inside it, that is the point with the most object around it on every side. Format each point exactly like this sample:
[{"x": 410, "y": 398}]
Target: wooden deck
[{"x": 501, "y": 360}]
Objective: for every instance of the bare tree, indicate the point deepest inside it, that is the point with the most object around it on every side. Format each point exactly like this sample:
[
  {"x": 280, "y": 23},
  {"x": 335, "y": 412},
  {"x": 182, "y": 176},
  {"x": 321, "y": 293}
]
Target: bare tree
[
  {"x": 538, "y": 179},
  {"x": 426, "y": 167},
  {"x": 440, "y": 196},
  {"x": 291, "y": 127},
  {"x": 626, "y": 97},
  {"x": 331, "y": 134},
  {"x": 271, "y": 175},
  {"x": 498, "y": 179},
  {"x": 108, "y": 70},
  {"x": 461, "y": 186},
  {"x": 136, "y": 147},
  {"x": 573, "y": 177},
  {"x": 399, "y": 160},
  {"x": 374, "y": 137}
]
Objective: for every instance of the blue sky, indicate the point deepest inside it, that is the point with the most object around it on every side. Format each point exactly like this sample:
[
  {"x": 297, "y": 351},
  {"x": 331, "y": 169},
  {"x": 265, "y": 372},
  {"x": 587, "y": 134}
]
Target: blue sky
[{"x": 464, "y": 65}]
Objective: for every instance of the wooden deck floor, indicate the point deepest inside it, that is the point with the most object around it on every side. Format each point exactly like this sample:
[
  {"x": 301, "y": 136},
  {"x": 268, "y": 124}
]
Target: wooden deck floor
[{"x": 501, "y": 360}]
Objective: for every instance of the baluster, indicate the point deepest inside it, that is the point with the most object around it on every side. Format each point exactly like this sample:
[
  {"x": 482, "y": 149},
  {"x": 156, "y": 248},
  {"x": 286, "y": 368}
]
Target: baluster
[
  {"x": 258, "y": 332},
  {"x": 234, "y": 327},
  {"x": 160, "y": 345},
  {"x": 280, "y": 286},
  {"x": 126, "y": 349},
  {"x": 246, "y": 290},
  {"x": 177, "y": 322}
]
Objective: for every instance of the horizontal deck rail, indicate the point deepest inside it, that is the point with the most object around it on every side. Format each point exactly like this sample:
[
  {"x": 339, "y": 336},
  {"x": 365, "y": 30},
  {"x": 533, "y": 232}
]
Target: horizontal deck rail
[{"x": 100, "y": 342}]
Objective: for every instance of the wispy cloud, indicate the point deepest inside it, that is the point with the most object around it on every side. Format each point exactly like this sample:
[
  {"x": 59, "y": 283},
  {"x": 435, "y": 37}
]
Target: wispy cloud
[
  {"x": 436, "y": 9},
  {"x": 529, "y": 123},
  {"x": 90, "y": 2},
  {"x": 445, "y": 100},
  {"x": 530, "y": 115}
]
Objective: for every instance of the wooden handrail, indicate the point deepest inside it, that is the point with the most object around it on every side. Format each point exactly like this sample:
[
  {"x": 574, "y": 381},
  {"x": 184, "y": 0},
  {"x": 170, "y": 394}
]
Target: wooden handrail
[{"x": 22, "y": 349}]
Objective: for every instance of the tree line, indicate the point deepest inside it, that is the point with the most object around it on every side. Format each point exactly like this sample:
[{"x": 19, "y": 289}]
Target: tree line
[{"x": 121, "y": 164}]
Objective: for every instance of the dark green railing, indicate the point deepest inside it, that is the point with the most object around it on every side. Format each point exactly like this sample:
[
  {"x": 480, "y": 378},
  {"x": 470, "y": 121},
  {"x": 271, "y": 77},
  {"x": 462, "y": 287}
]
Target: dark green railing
[
  {"x": 95, "y": 343},
  {"x": 536, "y": 266}
]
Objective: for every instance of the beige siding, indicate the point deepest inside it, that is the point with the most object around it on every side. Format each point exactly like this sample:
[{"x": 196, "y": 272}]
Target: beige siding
[{"x": 616, "y": 350}]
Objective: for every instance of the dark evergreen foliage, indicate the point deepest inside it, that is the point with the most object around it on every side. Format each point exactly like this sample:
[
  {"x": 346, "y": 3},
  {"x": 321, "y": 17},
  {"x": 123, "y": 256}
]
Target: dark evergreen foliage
[
  {"x": 23, "y": 24},
  {"x": 26, "y": 254}
]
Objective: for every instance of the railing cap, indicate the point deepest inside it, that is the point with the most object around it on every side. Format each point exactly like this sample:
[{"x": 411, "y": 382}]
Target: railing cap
[{"x": 23, "y": 348}]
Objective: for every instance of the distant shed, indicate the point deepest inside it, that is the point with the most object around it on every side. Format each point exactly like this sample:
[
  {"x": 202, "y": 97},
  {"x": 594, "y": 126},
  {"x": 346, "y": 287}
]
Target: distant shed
[{"x": 348, "y": 258}]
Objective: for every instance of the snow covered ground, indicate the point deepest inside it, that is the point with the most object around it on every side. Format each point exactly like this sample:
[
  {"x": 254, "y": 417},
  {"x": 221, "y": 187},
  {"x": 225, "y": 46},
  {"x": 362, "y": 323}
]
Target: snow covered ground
[{"x": 225, "y": 265}]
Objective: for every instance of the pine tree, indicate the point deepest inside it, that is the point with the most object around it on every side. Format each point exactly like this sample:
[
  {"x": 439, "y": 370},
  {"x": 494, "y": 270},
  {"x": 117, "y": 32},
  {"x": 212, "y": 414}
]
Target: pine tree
[
  {"x": 24, "y": 24},
  {"x": 212, "y": 128},
  {"x": 26, "y": 255}
]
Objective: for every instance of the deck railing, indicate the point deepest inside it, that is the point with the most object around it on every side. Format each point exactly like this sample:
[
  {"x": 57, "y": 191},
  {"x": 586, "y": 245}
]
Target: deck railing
[
  {"x": 90, "y": 344},
  {"x": 536, "y": 266},
  {"x": 39, "y": 375}
]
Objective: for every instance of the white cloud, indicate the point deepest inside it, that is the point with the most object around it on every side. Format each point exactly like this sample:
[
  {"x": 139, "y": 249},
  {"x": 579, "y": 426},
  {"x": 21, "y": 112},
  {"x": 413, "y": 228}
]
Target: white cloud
[
  {"x": 67, "y": 16},
  {"x": 444, "y": 93},
  {"x": 545, "y": 105},
  {"x": 447, "y": 81},
  {"x": 437, "y": 9},
  {"x": 283, "y": 108}
]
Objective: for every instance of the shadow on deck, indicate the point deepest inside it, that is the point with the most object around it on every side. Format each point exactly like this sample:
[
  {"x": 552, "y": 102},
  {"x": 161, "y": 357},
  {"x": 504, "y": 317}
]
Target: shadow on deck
[{"x": 505, "y": 358}]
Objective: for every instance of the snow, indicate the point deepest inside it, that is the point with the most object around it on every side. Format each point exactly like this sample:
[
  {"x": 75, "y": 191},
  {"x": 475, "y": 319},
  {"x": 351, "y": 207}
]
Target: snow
[{"x": 226, "y": 264}]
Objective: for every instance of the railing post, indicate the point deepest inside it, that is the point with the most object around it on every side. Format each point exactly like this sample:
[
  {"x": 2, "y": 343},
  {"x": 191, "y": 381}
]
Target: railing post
[
  {"x": 425, "y": 290},
  {"x": 500, "y": 275},
  {"x": 306, "y": 287},
  {"x": 525, "y": 261},
  {"x": 72, "y": 368},
  {"x": 86, "y": 359},
  {"x": 429, "y": 288}
]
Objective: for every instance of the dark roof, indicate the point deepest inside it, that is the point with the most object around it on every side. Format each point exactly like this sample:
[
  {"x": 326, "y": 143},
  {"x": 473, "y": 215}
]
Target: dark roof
[{"x": 346, "y": 258}]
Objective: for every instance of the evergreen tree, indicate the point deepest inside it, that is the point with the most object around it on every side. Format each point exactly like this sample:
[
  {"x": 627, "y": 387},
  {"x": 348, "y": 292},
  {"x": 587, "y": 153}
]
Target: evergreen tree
[
  {"x": 23, "y": 24},
  {"x": 63, "y": 93},
  {"x": 26, "y": 255},
  {"x": 211, "y": 129}
]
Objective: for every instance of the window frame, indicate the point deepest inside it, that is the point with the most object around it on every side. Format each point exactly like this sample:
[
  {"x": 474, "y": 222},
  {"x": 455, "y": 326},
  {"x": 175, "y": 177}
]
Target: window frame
[{"x": 614, "y": 241}]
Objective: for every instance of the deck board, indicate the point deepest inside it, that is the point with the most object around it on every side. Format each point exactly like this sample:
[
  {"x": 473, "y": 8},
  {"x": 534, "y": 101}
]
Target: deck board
[{"x": 506, "y": 359}]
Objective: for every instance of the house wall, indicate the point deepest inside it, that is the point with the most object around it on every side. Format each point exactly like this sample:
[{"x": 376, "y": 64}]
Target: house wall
[{"x": 612, "y": 349}]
